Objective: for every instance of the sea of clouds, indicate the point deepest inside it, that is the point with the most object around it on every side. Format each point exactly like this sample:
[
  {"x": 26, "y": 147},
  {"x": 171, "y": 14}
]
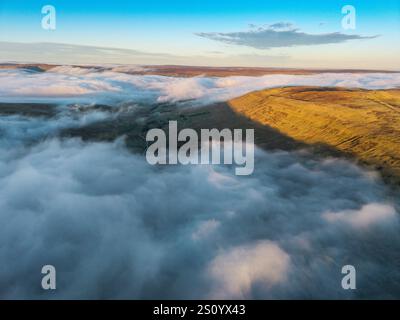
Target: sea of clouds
[
  {"x": 116, "y": 227},
  {"x": 67, "y": 83}
]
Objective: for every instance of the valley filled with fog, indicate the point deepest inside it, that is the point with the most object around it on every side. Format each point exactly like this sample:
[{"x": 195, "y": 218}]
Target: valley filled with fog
[{"x": 116, "y": 227}]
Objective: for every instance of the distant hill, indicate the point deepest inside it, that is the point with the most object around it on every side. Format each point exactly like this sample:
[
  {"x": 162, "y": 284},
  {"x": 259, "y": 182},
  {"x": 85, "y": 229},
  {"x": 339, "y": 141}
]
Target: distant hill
[
  {"x": 190, "y": 71},
  {"x": 39, "y": 67},
  {"x": 364, "y": 124}
]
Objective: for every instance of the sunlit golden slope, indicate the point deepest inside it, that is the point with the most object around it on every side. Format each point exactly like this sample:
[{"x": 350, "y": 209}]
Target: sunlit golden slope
[{"x": 362, "y": 123}]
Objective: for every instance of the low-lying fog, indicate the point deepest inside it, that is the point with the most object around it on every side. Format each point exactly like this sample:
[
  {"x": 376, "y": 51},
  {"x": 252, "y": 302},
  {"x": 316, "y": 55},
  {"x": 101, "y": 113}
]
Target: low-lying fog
[{"x": 116, "y": 227}]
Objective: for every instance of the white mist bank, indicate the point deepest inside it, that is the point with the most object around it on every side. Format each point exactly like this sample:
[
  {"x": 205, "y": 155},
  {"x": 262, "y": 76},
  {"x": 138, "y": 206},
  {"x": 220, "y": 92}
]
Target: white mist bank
[{"x": 67, "y": 83}]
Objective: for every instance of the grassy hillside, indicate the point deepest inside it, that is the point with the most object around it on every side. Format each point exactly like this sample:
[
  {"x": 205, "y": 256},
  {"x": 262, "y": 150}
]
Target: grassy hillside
[{"x": 361, "y": 123}]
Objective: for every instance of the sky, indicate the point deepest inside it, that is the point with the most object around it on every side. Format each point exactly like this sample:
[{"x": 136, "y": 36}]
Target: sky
[{"x": 216, "y": 33}]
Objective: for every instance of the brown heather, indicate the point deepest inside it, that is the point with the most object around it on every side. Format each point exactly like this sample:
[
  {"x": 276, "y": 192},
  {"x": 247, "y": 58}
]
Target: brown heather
[{"x": 361, "y": 123}]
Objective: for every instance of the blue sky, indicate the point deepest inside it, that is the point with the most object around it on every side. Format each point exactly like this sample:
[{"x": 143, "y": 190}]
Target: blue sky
[{"x": 183, "y": 32}]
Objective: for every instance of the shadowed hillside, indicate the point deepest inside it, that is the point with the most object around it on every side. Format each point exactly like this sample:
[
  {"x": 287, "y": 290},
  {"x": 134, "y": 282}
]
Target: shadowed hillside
[{"x": 360, "y": 123}]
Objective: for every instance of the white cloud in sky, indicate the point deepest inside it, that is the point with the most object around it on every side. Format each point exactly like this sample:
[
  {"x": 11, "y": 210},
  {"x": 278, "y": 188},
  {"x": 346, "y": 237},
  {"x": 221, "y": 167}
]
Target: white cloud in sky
[{"x": 277, "y": 35}]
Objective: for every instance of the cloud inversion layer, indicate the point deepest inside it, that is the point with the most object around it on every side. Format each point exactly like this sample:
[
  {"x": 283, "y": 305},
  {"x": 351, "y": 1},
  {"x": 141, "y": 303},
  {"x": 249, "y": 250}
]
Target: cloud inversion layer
[
  {"x": 74, "y": 84},
  {"x": 116, "y": 227}
]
